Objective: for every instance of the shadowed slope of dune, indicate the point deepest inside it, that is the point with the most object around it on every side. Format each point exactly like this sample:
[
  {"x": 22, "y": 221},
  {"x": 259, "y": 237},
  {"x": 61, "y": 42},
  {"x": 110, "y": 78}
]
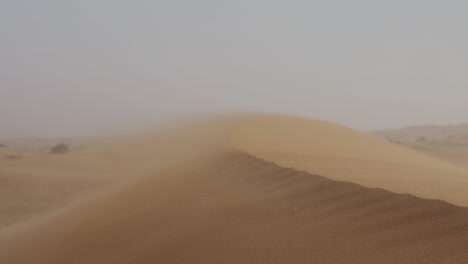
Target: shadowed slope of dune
[
  {"x": 240, "y": 209},
  {"x": 221, "y": 191}
]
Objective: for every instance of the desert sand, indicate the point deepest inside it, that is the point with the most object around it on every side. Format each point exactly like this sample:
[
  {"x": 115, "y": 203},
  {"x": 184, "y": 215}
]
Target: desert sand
[
  {"x": 448, "y": 142},
  {"x": 242, "y": 189},
  {"x": 426, "y": 133}
]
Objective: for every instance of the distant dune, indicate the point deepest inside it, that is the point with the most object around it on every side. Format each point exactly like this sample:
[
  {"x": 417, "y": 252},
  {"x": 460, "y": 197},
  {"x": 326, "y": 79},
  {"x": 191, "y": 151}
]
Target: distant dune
[
  {"x": 245, "y": 189},
  {"x": 445, "y": 142},
  {"x": 428, "y": 132}
]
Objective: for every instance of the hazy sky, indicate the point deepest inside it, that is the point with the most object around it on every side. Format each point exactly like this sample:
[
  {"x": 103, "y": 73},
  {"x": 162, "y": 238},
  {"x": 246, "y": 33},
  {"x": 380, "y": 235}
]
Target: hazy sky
[{"x": 71, "y": 68}]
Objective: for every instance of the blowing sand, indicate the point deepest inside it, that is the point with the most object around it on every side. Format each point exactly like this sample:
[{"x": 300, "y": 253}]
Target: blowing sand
[{"x": 246, "y": 190}]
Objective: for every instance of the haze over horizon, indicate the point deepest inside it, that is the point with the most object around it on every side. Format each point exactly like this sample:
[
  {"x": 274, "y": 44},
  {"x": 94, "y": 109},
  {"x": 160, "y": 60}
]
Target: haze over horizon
[
  {"x": 249, "y": 131},
  {"x": 72, "y": 68}
]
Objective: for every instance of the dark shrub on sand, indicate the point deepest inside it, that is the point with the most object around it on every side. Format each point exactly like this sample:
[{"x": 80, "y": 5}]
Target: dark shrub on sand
[
  {"x": 13, "y": 157},
  {"x": 60, "y": 149}
]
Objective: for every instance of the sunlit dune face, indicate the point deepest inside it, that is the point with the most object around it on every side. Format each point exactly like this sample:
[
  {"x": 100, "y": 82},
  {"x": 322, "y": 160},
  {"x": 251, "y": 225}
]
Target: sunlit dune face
[
  {"x": 346, "y": 155},
  {"x": 239, "y": 189}
]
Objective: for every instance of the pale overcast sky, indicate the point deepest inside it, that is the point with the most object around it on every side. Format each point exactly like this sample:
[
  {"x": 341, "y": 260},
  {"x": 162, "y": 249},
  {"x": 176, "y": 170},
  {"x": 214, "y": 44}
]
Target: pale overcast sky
[{"x": 73, "y": 68}]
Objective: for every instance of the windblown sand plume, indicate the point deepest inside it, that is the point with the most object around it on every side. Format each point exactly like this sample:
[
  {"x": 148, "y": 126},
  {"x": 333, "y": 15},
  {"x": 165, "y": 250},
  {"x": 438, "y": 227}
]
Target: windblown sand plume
[{"x": 261, "y": 189}]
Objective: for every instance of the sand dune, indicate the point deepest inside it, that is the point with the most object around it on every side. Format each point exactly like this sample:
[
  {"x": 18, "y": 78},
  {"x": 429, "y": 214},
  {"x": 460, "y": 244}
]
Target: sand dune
[
  {"x": 426, "y": 133},
  {"x": 346, "y": 155},
  {"x": 246, "y": 190},
  {"x": 445, "y": 142},
  {"x": 239, "y": 209}
]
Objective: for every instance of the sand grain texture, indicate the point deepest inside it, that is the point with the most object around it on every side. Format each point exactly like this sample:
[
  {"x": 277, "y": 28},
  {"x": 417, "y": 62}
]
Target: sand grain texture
[
  {"x": 246, "y": 192},
  {"x": 244, "y": 210}
]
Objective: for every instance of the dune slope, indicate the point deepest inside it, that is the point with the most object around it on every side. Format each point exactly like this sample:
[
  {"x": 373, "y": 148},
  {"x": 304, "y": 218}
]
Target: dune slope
[
  {"x": 240, "y": 209},
  {"x": 346, "y": 155},
  {"x": 247, "y": 190}
]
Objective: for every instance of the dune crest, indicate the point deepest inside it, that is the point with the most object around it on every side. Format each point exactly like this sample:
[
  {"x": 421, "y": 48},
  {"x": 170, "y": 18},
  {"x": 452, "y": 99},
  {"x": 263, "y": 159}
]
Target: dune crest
[
  {"x": 239, "y": 209},
  {"x": 246, "y": 189},
  {"x": 346, "y": 155}
]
